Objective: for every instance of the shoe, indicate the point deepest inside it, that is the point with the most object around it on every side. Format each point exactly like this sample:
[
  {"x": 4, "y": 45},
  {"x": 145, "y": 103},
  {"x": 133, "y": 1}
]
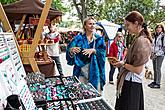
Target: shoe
[
  {"x": 151, "y": 84},
  {"x": 111, "y": 82},
  {"x": 156, "y": 86}
]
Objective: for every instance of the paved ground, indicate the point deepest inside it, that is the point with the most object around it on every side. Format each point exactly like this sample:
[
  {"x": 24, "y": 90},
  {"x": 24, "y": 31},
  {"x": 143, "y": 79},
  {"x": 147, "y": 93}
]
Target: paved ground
[{"x": 154, "y": 98}]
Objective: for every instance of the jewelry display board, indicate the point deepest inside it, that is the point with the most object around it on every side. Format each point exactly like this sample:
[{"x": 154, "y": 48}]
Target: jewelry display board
[{"x": 12, "y": 72}]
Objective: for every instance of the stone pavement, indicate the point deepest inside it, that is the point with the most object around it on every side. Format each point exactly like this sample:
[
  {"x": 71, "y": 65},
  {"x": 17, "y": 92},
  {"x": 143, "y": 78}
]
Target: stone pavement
[{"x": 154, "y": 98}]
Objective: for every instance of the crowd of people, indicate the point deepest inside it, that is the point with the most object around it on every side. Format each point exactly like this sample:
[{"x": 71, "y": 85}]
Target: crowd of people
[{"x": 87, "y": 53}]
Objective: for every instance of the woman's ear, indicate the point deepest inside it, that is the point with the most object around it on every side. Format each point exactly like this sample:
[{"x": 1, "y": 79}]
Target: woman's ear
[{"x": 136, "y": 23}]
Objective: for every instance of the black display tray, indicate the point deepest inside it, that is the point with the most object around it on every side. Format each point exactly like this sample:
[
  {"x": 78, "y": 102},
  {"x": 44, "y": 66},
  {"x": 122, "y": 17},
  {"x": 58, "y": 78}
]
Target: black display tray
[
  {"x": 41, "y": 104},
  {"x": 65, "y": 104},
  {"x": 93, "y": 104}
]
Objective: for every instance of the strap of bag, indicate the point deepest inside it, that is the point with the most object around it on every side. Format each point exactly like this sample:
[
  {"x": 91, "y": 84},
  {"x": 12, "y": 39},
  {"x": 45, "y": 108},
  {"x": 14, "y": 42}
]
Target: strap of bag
[{"x": 162, "y": 39}]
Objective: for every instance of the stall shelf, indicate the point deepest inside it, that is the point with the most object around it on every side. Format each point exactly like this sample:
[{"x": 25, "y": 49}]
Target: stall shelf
[{"x": 26, "y": 9}]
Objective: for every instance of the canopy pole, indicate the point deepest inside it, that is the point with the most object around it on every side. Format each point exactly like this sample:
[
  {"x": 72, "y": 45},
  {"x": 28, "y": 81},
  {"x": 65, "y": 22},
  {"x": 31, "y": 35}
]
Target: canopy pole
[
  {"x": 6, "y": 24},
  {"x": 38, "y": 34},
  {"x": 4, "y": 20},
  {"x": 20, "y": 26}
]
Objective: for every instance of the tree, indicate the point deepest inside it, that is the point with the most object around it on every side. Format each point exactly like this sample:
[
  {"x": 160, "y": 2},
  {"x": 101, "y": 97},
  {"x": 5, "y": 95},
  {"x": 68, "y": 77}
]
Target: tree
[
  {"x": 57, "y": 4},
  {"x": 7, "y": 1},
  {"x": 81, "y": 8},
  {"x": 150, "y": 9},
  {"x": 116, "y": 10},
  {"x": 91, "y": 8}
]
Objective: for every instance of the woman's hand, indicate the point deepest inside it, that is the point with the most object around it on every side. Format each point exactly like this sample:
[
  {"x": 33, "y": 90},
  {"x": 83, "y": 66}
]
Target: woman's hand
[
  {"x": 89, "y": 51},
  {"x": 74, "y": 50},
  {"x": 118, "y": 64}
]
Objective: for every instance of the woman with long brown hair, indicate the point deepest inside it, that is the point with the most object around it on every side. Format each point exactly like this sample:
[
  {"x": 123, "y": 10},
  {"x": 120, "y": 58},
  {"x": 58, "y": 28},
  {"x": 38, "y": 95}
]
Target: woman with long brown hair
[{"x": 129, "y": 84}]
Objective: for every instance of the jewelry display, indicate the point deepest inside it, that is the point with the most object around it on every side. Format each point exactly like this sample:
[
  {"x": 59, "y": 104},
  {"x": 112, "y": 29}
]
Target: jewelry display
[
  {"x": 33, "y": 78},
  {"x": 80, "y": 91},
  {"x": 70, "y": 80},
  {"x": 98, "y": 104},
  {"x": 4, "y": 57},
  {"x": 60, "y": 105},
  {"x": 36, "y": 84},
  {"x": 38, "y": 91},
  {"x": 12, "y": 74},
  {"x": 53, "y": 81}
]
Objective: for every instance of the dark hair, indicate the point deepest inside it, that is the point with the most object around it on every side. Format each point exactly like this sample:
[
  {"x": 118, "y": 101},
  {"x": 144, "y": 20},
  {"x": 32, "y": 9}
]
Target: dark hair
[
  {"x": 160, "y": 26},
  {"x": 135, "y": 16}
]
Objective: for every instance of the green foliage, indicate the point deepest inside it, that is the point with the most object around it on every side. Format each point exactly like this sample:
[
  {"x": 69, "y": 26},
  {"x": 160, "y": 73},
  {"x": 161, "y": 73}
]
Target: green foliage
[
  {"x": 57, "y": 4},
  {"x": 150, "y": 9},
  {"x": 70, "y": 24},
  {"x": 116, "y": 10},
  {"x": 7, "y": 1}
]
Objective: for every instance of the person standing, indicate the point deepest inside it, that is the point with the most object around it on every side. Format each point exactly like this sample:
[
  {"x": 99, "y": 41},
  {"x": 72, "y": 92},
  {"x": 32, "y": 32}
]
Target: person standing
[
  {"x": 116, "y": 50},
  {"x": 53, "y": 50},
  {"x": 129, "y": 84},
  {"x": 157, "y": 55},
  {"x": 88, "y": 49}
]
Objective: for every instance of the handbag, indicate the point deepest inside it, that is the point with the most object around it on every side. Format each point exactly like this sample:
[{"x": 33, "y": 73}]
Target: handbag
[
  {"x": 85, "y": 70},
  {"x": 14, "y": 102}
]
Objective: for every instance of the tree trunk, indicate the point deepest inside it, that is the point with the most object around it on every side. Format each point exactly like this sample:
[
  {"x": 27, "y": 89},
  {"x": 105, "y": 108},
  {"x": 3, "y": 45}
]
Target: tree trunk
[{"x": 81, "y": 9}]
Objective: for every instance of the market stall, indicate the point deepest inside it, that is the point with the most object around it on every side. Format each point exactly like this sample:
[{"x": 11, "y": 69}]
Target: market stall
[
  {"x": 66, "y": 36},
  {"x": 34, "y": 91},
  {"x": 33, "y": 15}
]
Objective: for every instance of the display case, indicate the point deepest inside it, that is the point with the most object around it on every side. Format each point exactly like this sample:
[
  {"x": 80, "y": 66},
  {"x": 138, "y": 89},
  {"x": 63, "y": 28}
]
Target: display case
[{"x": 65, "y": 93}]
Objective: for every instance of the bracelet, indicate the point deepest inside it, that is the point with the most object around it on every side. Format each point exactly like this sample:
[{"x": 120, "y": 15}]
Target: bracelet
[
  {"x": 124, "y": 64},
  {"x": 71, "y": 54}
]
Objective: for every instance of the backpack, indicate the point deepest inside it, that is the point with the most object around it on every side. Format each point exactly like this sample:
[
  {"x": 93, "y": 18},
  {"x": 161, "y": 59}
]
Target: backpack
[{"x": 162, "y": 41}]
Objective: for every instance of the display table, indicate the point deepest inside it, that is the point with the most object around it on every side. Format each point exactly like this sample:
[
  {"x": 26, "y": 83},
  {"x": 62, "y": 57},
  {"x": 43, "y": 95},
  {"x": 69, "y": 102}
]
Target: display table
[
  {"x": 48, "y": 68},
  {"x": 64, "y": 93}
]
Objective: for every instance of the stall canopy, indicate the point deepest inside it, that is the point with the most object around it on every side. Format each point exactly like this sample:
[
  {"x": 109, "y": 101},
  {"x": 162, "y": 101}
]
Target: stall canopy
[
  {"x": 109, "y": 28},
  {"x": 16, "y": 10}
]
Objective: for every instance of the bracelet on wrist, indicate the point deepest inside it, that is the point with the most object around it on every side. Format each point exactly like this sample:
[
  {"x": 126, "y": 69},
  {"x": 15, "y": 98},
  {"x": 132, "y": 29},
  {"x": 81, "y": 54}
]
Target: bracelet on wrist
[{"x": 124, "y": 64}]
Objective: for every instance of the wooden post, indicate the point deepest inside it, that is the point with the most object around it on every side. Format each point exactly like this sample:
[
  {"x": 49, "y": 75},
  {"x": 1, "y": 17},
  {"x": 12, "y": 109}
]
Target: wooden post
[
  {"x": 6, "y": 23},
  {"x": 21, "y": 24},
  {"x": 38, "y": 34},
  {"x": 4, "y": 20}
]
